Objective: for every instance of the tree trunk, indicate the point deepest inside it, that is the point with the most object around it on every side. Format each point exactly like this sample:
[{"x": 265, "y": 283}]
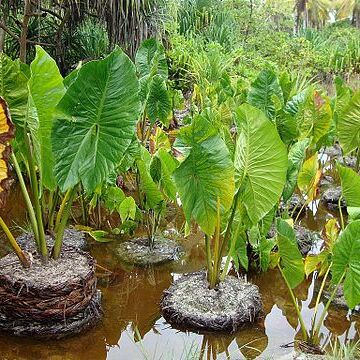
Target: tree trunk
[
  {"x": 356, "y": 17},
  {"x": 2, "y": 31},
  {"x": 24, "y": 30},
  {"x": 2, "y": 40},
  {"x": 58, "y": 39}
]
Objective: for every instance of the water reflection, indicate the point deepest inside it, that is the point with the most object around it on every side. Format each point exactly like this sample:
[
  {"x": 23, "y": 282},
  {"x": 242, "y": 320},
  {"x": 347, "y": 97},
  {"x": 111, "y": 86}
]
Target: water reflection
[{"x": 133, "y": 327}]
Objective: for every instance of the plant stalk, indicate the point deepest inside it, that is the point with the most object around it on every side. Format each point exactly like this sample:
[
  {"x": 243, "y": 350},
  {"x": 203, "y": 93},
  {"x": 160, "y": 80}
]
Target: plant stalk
[
  {"x": 83, "y": 206},
  {"x": 230, "y": 222},
  {"x": 318, "y": 298},
  {"x": 18, "y": 251},
  {"x": 293, "y": 298},
  {"x": 341, "y": 214},
  {"x": 27, "y": 199},
  {"x": 323, "y": 314},
  {"x": 35, "y": 190},
  {"x": 208, "y": 257},
  {"x": 61, "y": 227},
  {"x": 232, "y": 248},
  {"x": 54, "y": 201},
  {"x": 217, "y": 255},
  {"x": 59, "y": 215}
]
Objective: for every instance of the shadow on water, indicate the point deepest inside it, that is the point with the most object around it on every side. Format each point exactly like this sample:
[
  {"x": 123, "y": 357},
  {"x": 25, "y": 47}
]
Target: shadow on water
[{"x": 133, "y": 327}]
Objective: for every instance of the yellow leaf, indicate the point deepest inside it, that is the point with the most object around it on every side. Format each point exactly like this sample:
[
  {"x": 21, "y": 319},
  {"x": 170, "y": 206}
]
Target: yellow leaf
[
  {"x": 7, "y": 132},
  {"x": 309, "y": 177}
]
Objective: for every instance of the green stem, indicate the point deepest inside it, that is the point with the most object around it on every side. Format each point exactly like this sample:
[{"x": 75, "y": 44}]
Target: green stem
[
  {"x": 293, "y": 298},
  {"x": 232, "y": 248},
  {"x": 20, "y": 254},
  {"x": 318, "y": 298},
  {"x": 61, "y": 209},
  {"x": 61, "y": 227},
  {"x": 208, "y": 257},
  {"x": 35, "y": 190},
  {"x": 299, "y": 213},
  {"x": 27, "y": 199},
  {"x": 98, "y": 207},
  {"x": 83, "y": 206},
  {"x": 323, "y": 314},
  {"x": 341, "y": 214},
  {"x": 55, "y": 199},
  {"x": 217, "y": 255},
  {"x": 230, "y": 222}
]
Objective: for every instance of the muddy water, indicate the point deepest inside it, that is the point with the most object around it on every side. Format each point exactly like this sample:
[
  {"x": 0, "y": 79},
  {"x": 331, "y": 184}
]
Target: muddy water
[{"x": 133, "y": 328}]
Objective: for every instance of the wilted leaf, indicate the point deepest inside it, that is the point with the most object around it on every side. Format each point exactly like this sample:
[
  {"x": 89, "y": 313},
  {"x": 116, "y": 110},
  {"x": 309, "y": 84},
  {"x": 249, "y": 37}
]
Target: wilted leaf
[{"x": 7, "y": 133}]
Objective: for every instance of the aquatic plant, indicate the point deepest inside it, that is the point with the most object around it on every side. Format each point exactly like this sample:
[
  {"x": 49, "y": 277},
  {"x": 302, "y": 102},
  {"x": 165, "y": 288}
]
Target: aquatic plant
[{"x": 69, "y": 136}]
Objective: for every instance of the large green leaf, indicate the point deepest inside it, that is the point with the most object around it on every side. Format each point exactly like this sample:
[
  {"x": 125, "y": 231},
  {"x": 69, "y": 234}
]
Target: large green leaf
[
  {"x": 314, "y": 116},
  {"x": 263, "y": 90},
  {"x": 261, "y": 162},
  {"x": 127, "y": 209},
  {"x": 350, "y": 184},
  {"x": 168, "y": 165},
  {"x": 343, "y": 97},
  {"x": 349, "y": 124},
  {"x": 96, "y": 121},
  {"x": 13, "y": 88},
  {"x": 346, "y": 259},
  {"x": 287, "y": 126},
  {"x": 238, "y": 252},
  {"x": 296, "y": 156},
  {"x": 291, "y": 261},
  {"x": 152, "y": 195},
  {"x": 205, "y": 175},
  {"x": 46, "y": 90},
  {"x": 158, "y": 104},
  {"x": 150, "y": 59}
]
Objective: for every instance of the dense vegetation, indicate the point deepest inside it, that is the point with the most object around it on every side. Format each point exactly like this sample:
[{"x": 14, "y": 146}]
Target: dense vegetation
[{"x": 224, "y": 107}]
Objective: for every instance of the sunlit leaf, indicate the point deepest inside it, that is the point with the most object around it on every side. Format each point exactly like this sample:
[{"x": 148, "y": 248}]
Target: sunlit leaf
[
  {"x": 127, "y": 209},
  {"x": 46, "y": 90},
  {"x": 95, "y": 121},
  {"x": 260, "y": 162},
  {"x": 346, "y": 259},
  {"x": 13, "y": 88},
  {"x": 309, "y": 177},
  {"x": 205, "y": 175},
  {"x": 291, "y": 260},
  {"x": 349, "y": 125},
  {"x": 263, "y": 89},
  {"x": 150, "y": 59},
  {"x": 296, "y": 156},
  {"x": 158, "y": 104}
]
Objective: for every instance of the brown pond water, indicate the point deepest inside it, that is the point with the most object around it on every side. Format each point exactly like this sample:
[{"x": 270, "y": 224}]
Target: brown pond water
[{"x": 133, "y": 327}]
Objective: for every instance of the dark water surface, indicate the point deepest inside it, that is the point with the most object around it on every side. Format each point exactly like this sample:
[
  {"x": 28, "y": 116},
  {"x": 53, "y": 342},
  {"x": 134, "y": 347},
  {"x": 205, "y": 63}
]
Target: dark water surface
[{"x": 133, "y": 328}]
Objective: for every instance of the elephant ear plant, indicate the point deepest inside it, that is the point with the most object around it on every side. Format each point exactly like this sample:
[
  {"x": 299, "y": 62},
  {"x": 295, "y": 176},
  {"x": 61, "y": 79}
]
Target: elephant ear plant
[
  {"x": 205, "y": 181},
  {"x": 152, "y": 159},
  {"x": 66, "y": 137},
  {"x": 338, "y": 261}
]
